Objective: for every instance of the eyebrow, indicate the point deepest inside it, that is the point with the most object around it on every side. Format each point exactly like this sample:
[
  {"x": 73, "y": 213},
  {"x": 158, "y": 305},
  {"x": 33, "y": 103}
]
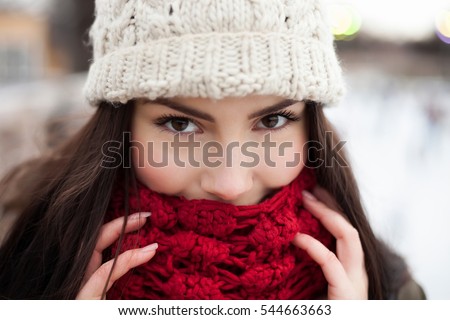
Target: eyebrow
[
  {"x": 184, "y": 109},
  {"x": 272, "y": 109},
  {"x": 202, "y": 115}
]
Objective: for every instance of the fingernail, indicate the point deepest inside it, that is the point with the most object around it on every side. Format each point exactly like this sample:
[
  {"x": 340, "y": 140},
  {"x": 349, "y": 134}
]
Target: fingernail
[
  {"x": 139, "y": 215},
  {"x": 308, "y": 195},
  {"x": 151, "y": 247}
]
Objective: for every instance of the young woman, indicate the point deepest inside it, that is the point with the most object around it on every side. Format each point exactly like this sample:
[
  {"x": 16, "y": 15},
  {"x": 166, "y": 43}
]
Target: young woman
[{"x": 208, "y": 171}]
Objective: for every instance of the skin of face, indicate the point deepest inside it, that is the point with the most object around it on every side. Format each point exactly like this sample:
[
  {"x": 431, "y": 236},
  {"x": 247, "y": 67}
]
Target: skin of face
[{"x": 229, "y": 157}]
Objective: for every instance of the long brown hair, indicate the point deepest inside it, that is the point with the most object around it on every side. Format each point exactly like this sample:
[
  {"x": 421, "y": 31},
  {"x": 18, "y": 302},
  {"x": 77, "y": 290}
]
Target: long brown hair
[
  {"x": 386, "y": 270},
  {"x": 48, "y": 249}
]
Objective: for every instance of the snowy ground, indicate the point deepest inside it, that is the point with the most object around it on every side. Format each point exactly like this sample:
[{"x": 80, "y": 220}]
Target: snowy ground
[{"x": 398, "y": 135}]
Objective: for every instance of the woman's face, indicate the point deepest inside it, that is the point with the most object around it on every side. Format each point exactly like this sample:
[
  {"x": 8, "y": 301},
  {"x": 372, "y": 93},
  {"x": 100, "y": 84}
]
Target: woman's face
[{"x": 235, "y": 150}]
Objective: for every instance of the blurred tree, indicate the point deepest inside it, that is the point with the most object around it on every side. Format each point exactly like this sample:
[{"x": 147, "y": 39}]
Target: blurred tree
[{"x": 69, "y": 24}]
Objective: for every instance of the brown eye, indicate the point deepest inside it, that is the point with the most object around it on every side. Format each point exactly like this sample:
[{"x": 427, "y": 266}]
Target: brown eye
[
  {"x": 272, "y": 121},
  {"x": 179, "y": 124}
]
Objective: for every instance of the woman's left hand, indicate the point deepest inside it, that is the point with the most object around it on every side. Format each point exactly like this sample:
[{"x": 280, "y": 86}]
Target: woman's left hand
[{"x": 344, "y": 271}]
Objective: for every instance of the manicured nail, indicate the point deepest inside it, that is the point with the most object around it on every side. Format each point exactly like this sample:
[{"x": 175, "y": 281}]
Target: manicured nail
[
  {"x": 308, "y": 195},
  {"x": 151, "y": 247},
  {"x": 139, "y": 215}
]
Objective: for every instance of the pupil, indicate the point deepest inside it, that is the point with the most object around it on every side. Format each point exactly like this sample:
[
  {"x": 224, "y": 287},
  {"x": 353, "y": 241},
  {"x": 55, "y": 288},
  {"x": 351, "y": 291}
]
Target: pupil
[
  {"x": 180, "y": 124},
  {"x": 270, "y": 121}
]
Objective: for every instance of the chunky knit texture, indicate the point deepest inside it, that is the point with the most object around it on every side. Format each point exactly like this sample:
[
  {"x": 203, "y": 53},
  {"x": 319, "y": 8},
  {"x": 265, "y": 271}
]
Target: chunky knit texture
[
  {"x": 213, "y": 250},
  {"x": 212, "y": 49}
]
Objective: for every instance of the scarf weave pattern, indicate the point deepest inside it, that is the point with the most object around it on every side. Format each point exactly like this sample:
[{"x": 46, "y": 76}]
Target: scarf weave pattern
[{"x": 214, "y": 250}]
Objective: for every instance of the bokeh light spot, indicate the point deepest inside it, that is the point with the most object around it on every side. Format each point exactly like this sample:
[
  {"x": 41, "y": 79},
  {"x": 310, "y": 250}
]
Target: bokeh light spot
[
  {"x": 443, "y": 25},
  {"x": 346, "y": 21}
]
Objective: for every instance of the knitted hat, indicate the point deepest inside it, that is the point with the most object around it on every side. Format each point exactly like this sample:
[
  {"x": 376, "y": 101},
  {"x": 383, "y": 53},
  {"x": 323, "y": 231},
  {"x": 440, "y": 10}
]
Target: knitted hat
[{"x": 212, "y": 49}]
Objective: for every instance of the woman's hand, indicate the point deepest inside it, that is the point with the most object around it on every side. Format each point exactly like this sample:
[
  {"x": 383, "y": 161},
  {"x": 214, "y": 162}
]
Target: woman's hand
[
  {"x": 97, "y": 273},
  {"x": 344, "y": 271}
]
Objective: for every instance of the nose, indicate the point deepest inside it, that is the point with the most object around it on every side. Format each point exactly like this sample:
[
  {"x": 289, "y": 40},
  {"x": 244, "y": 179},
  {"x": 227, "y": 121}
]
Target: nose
[{"x": 227, "y": 183}]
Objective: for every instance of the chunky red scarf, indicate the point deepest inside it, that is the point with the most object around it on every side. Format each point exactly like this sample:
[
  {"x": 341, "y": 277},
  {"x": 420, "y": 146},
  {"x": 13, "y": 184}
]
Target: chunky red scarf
[{"x": 213, "y": 250}]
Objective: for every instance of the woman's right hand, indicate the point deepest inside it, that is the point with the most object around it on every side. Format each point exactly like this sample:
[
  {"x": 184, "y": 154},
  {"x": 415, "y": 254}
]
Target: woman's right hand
[{"x": 97, "y": 273}]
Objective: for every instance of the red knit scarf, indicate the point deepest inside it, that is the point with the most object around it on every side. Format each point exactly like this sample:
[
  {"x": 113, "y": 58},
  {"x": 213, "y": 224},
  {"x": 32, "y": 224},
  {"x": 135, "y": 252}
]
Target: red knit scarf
[{"x": 213, "y": 250}]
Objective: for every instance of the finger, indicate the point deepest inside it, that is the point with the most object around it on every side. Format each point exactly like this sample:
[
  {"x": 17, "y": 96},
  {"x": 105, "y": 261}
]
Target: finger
[
  {"x": 332, "y": 268},
  {"x": 109, "y": 233},
  {"x": 324, "y": 196},
  {"x": 349, "y": 248},
  {"x": 93, "y": 289}
]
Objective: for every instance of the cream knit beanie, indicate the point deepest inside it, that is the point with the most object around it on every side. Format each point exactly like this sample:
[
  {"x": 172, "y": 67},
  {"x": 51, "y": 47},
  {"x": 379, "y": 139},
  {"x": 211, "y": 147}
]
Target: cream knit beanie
[{"x": 212, "y": 49}]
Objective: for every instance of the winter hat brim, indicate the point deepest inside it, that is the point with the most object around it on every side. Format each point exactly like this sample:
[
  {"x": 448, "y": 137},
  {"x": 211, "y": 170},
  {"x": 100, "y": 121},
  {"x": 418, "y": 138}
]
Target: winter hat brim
[{"x": 219, "y": 65}]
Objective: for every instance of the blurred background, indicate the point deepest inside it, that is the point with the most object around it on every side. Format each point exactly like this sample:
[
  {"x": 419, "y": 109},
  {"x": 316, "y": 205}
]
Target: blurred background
[{"x": 395, "y": 117}]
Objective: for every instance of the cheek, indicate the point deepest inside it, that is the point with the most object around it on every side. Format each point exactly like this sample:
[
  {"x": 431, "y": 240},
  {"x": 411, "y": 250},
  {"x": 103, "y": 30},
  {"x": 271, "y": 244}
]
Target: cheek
[
  {"x": 153, "y": 163},
  {"x": 164, "y": 178},
  {"x": 286, "y": 167},
  {"x": 288, "y": 159}
]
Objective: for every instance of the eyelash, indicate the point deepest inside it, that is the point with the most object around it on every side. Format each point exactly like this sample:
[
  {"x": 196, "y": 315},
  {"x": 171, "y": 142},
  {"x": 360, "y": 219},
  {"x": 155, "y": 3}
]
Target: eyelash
[
  {"x": 161, "y": 121},
  {"x": 289, "y": 115}
]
